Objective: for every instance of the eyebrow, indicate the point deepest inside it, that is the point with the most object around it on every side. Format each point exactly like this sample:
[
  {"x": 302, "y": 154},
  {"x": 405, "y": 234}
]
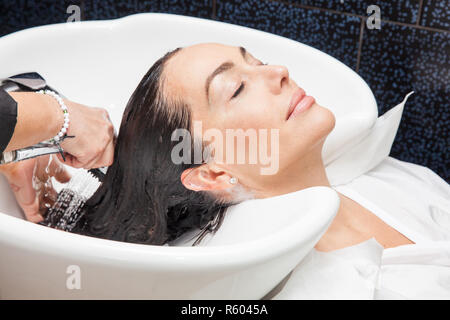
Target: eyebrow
[{"x": 220, "y": 69}]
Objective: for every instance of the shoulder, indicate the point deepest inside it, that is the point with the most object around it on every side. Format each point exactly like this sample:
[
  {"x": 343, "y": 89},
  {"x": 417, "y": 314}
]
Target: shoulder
[{"x": 394, "y": 170}]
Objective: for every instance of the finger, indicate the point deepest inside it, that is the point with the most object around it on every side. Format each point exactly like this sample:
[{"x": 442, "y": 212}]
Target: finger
[
  {"x": 67, "y": 160},
  {"x": 41, "y": 201},
  {"x": 45, "y": 168},
  {"x": 47, "y": 200},
  {"x": 58, "y": 171},
  {"x": 21, "y": 182},
  {"x": 107, "y": 157},
  {"x": 60, "y": 158},
  {"x": 32, "y": 211},
  {"x": 91, "y": 164},
  {"x": 7, "y": 168},
  {"x": 40, "y": 169},
  {"x": 71, "y": 161},
  {"x": 94, "y": 163},
  {"x": 63, "y": 176},
  {"x": 47, "y": 193},
  {"x": 27, "y": 200}
]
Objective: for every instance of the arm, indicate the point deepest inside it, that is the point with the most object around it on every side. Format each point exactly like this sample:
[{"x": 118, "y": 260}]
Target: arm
[{"x": 38, "y": 118}]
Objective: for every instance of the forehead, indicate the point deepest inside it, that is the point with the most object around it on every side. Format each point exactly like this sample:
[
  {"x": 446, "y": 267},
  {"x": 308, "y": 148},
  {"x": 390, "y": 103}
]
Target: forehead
[{"x": 186, "y": 71}]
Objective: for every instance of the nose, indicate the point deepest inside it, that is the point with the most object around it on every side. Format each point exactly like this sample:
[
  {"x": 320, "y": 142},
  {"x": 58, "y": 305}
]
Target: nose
[{"x": 277, "y": 78}]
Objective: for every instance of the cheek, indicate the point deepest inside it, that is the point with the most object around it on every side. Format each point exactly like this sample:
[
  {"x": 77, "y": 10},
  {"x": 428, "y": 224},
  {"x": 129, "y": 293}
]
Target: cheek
[
  {"x": 252, "y": 113},
  {"x": 241, "y": 138}
]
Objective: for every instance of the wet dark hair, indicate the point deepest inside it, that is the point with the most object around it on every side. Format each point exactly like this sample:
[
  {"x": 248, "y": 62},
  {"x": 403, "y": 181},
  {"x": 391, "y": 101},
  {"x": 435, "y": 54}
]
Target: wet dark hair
[{"x": 142, "y": 199}]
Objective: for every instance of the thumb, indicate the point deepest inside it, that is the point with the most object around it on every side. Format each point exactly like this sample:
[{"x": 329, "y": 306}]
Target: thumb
[
  {"x": 32, "y": 211},
  {"x": 58, "y": 171},
  {"x": 28, "y": 201}
]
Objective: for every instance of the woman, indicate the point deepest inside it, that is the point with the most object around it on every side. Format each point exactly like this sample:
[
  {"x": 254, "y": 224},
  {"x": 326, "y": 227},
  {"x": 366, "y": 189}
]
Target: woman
[
  {"x": 149, "y": 198},
  {"x": 171, "y": 96}
]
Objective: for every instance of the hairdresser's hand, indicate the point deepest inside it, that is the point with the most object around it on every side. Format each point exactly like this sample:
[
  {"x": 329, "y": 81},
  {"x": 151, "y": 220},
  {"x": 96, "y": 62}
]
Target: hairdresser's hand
[
  {"x": 30, "y": 181},
  {"x": 93, "y": 145}
]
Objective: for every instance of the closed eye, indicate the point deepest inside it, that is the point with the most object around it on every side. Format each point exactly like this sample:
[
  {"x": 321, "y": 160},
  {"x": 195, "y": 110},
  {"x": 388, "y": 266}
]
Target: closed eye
[{"x": 241, "y": 87}]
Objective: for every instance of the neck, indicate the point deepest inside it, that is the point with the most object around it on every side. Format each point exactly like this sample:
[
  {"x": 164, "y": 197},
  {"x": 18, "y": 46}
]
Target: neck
[{"x": 309, "y": 172}]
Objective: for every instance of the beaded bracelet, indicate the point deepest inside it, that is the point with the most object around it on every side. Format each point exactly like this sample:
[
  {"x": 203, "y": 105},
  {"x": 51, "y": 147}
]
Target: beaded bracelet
[{"x": 63, "y": 132}]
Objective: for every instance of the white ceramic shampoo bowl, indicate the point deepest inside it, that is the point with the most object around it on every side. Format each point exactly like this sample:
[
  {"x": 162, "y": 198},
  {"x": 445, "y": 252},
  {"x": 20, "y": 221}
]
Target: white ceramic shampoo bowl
[
  {"x": 100, "y": 63},
  {"x": 37, "y": 262}
]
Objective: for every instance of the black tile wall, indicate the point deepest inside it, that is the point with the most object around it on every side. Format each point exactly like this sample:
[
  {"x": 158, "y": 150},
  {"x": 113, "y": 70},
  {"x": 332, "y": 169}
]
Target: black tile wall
[
  {"x": 110, "y": 9},
  {"x": 197, "y": 8},
  {"x": 398, "y": 59},
  {"x": 332, "y": 33},
  {"x": 402, "y": 11},
  {"x": 21, "y": 14},
  {"x": 436, "y": 14},
  {"x": 410, "y": 52},
  {"x": 11, "y": 19}
]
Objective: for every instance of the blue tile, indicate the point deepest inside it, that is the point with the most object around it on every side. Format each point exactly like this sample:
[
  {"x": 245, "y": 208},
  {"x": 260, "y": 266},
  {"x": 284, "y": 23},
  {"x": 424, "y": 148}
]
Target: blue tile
[
  {"x": 12, "y": 18},
  {"x": 197, "y": 8},
  {"x": 334, "y": 34},
  {"x": 436, "y": 14},
  {"x": 398, "y": 59},
  {"x": 399, "y": 10},
  {"x": 111, "y": 9},
  {"x": 18, "y": 15}
]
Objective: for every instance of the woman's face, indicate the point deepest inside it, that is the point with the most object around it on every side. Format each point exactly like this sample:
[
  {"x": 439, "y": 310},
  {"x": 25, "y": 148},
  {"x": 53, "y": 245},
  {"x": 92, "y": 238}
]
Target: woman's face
[{"x": 245, "y": 95}]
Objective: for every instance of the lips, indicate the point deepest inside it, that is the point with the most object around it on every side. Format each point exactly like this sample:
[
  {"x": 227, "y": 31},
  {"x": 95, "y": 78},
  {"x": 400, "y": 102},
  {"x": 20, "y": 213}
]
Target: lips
[{"x": 299, "y": 103}]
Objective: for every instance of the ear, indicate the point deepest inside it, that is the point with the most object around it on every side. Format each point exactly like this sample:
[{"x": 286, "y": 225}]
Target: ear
[{"x": 205, "y": 178}]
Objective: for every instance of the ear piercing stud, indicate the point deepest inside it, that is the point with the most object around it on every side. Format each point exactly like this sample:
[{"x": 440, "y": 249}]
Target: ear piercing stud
[{"x": 233, "y": 180}]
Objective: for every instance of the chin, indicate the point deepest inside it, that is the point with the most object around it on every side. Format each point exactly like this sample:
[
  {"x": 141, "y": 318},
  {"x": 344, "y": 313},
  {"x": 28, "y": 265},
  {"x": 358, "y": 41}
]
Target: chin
[
  {"x": 328, "y": 119},
  {"x": 308, "y": 133},
  {"x": 320, "y": 121}
]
